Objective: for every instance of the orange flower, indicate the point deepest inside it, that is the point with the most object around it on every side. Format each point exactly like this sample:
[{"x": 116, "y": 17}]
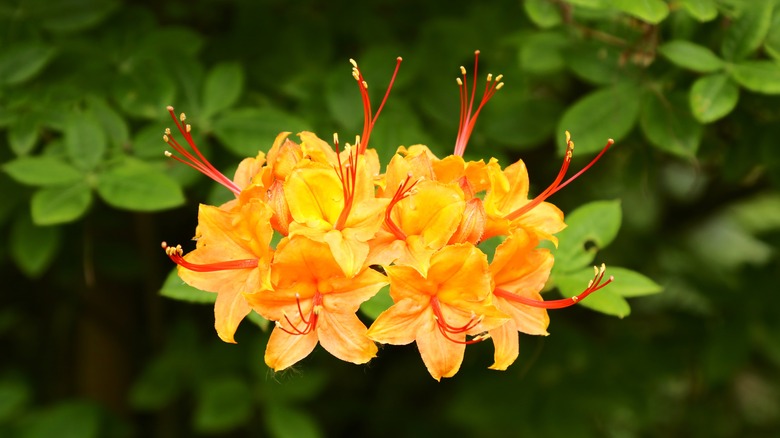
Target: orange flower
[
  {"x": 311, "y": 300},
  {"x": 438, "y": 310},
  {"x": 232, "y": 257},
  {"x": 519, "y": 268}
]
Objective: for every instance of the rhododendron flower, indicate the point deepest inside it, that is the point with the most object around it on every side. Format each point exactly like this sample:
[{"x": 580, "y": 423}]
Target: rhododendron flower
[{"x": 345, "y": 230}]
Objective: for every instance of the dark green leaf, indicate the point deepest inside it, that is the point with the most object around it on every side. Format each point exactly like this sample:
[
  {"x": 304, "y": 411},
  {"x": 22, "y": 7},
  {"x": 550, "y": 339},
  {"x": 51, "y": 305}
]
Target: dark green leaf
[
  {"x": 747, "y": 32},
  {"x": 177, "y": 289},
  {"x": 258, "y": 320},
  {"x": 135, "y": 185},
  {"x": 249, "y": 130},
  {"x": 113, "y": 124},
  {"x": 85, "y": 141},
  {"x": 288, "y": 422},
  {"x": 42, "y": 171},
  {"x": 377, "y": 304},
  {"x": 651, "y": 11},
  {"x": 691, "y": 56},
  {"x": 606, "y": 300},
  {"x": 772, "y": 40},
  {"x": 597, "y": 63},
  {"x": 145, "y": 89},
  {"x": 758, "y": 76},
  {"x": 75, "y": 15},
  {"x": 670, "y": 126},
  {"x": 32, "y": 247},
  {"x": 521, "y": 122},
  {"x": 343, "y": 99},
  {"x": 223, "y": 404},
  {"x": 702, "y": 10},
  {"x": 292, "y": 389},
  {"x": 22, "y": 61},
  {"x": 15, "y": 394},
  {"x": 609, "y": 112},
  {"x": 543, "y": 13},
  {"x": 223, "y": 87},
  {"x": 589, "y": 228},
  {"x": 60, "y": 204},
  {"x": 713, "y": 97}
]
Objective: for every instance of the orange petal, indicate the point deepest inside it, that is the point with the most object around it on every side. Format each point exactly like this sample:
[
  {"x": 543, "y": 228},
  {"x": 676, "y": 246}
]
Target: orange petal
[
  {"x": 398, "y": 325},
  {"x": 507, "y": 345},
  {"x": 442, "y": 357},
  {"x": 229, "y": 310},
  {"x": 284, "y": 350},
  {"x": 344, "y": 336}
]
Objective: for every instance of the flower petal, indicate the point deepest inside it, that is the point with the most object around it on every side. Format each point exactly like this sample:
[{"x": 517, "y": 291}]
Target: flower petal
[
  {"x": 442, "y": 357},
  {"x": 507, "y": 345},
  {"x": 398, "y": 324},
  {"x": 344, "y": 336},
  {"x": 284, "y": 350}
]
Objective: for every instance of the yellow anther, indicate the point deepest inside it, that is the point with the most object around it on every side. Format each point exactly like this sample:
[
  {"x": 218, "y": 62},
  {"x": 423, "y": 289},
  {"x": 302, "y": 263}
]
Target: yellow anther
[
  {"x": 365, "y": 85},
  {"x": 183, "y": 117},
  {"x": 499, "y": 77},
  {"x": 490, "y": 77},
  {"x": 499, "y": 86},
  {"x": 460, "y": 83},
  {"x": 335, "y": 138},
  {"x": 168, "y": 131},
  {"x": 353, "y": 62},
  {"x": 462, "y": 70},
  {"x": 188, "y": 128},
  {"x": 168, "y": 154},
  {"x": 165, "y": 138}
]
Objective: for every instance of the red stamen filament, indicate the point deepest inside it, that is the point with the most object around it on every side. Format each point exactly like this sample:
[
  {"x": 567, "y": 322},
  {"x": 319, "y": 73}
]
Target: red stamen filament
[
  {"x": 368, "y": 120},
  {"x": 310, "y": 323},
  {"x": 404, "y": 190},
  {"x": 447, "y": 329},
  {"x": 347, "y": 173},
  {"x": 467, "y": 120},
  {"x": 557, "y": 185},
  {"x": 594, "y": 285},
  {"x": 197, "y": 161},
  {"x": 176, "y": 254}
]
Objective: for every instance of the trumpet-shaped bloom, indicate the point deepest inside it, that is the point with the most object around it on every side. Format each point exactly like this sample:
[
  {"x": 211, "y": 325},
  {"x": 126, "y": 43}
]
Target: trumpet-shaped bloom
[
  {"x": 232, "y": 256},
  {"x": 439, "y": 309},
  {"x": 312, "y": 301}
]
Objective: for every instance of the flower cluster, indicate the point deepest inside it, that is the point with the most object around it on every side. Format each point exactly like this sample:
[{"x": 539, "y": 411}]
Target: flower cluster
[{"x": 347, "y": 230}]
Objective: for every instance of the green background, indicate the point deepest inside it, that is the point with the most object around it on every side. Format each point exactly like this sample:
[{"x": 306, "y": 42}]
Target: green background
[{"x": 687, "y": 88}]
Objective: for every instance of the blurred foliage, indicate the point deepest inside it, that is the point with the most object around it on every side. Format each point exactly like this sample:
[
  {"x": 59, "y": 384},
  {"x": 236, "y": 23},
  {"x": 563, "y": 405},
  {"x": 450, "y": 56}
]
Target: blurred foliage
[{"x": 687, "y": 88}]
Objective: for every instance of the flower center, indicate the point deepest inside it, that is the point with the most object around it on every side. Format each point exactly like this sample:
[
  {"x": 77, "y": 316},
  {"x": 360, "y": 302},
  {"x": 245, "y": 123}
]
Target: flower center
[
  {"x": 448, "y": 330},
  {"x": 309, "y": 322},
  {"x": 404, "y": 190}
]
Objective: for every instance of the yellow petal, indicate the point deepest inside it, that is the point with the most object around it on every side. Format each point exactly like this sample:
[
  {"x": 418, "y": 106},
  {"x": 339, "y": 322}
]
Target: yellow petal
[{"x": 315, "y": 196}]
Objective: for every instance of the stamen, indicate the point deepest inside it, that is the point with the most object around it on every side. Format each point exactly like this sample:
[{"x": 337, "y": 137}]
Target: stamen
[
  {"x": 447, "y": 329},
  {"x": 368, "y": 120},
  {"x": 347, "y": 174},
  {"x": 593, "y": 285},
  {"x": 404, "y": 190},
  {"x": 467, "y": 119},
  {"x": 556, "y": 184},
  {"x": 176, "y": 254},
  {"x": 197, "y": 161},
  {"x": 310, "y": 323}
]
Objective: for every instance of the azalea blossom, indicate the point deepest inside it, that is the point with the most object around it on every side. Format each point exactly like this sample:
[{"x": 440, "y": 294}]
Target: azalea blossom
[{"x": 346, "y": 228}]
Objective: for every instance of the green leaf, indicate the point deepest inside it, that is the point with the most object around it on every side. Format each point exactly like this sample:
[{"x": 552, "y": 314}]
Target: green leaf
[
  {"x": 287, "y": 422},
  {"x": 145, "y": 88},
  {"x": 670, "y": 126},
  {"x": 758, "y": 76},
  {"x": 24, "y": 134},
  {"x": 605, "y": 300},
  {"x": 135, "y": 185},
  {"x": 222, "y": 404},
  {"x": 603, "y": 114},
  {"x": 343, "y": 99},
  {"x": 589, "y": 228},
  {"x": 222, "y": 89},
  {"x": 651, "y": 11},
  {"x": 377, "y": 304},
  {"x": 177, "y": 289},
  {"x": 60, "y": 204},
  {"x": 85, "y": 141},
  {"x": 543, "y": 13},
  {"x": 42, "y": 170},
  {"x": 521, "y": 122},
  {"x": 293, "y": 388},
  {"x": 691, "y": 56},
  {"x": 114, "y": 125},
  {"x": 598, "y": 63},
  {"x": 745, "y": 34},
  {"x": 72, "y": 419},
  {"x": 246, "y": 131},
  {"x": 772, "y": 40},
  {"x": 33, "y": 248},
  {"x": 630, "y": 283},
  {"x": 702, "y": 10},
  {"x": 713, "y": 97},
  {"x": 542, "y": 52},
  {"x": 256, "y": 319},
  {"x": 20, "y": 62}
]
